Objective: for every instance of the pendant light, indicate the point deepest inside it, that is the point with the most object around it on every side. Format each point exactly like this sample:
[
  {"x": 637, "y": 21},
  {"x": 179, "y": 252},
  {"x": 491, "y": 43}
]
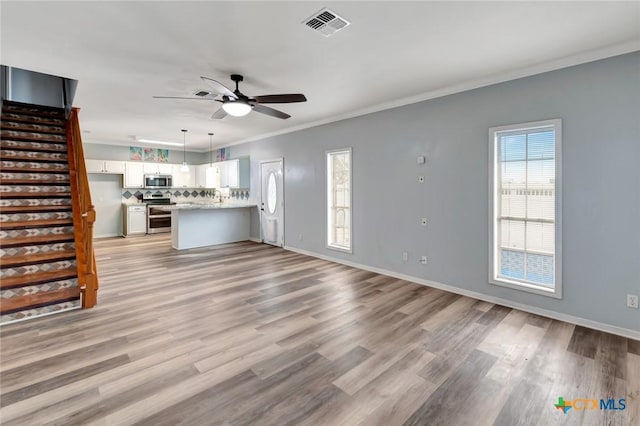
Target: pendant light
[
  {"x": 185, "y": 167},
  {"x": 210, "y": 150}
]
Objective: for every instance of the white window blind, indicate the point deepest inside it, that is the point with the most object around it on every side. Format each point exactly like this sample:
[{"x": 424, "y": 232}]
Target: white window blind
[
  {"x": 525, "y": 203},
  {"x": 339, "y": 199}
]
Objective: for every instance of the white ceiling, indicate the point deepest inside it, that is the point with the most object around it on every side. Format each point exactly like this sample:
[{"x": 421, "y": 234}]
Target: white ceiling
[{"x": 123, "y": 53}]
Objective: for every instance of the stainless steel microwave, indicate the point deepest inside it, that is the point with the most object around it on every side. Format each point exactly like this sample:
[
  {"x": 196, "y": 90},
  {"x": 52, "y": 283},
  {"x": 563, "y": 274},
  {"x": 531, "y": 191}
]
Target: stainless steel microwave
[{"x": 158, "y": 181}]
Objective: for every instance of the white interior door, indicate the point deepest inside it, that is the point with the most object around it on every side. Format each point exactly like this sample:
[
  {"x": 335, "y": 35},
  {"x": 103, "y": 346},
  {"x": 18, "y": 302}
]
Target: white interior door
[{"x": 272, "y": 202}]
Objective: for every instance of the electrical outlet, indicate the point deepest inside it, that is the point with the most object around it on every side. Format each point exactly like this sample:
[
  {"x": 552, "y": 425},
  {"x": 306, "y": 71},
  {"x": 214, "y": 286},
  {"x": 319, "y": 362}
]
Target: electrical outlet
[
  {"x": 423, "y": 221},
  {"x": 632, "y": 301},
  {"x": 420, "y": 179},
  {"x": 405, "y": 256},
  {"x": 423, "y": 260}
]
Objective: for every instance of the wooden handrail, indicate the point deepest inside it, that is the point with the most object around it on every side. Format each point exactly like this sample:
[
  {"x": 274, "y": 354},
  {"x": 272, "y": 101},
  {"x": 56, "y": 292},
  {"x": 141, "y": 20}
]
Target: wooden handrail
[{"x": 84, "y": 214}]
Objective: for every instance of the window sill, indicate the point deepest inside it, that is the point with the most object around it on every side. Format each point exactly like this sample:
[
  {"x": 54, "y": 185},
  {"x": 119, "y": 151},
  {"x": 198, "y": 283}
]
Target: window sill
[
  {"x": 341, "y": 249},
  {"x": 556, "y": 292}
]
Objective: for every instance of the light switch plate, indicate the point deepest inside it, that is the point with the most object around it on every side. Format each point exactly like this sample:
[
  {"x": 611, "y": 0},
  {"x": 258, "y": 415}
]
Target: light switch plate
[{"x": 421, "y": 159}]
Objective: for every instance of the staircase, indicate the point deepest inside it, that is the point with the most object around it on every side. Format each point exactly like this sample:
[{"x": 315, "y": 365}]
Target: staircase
[{"x": 39, "y": 271}]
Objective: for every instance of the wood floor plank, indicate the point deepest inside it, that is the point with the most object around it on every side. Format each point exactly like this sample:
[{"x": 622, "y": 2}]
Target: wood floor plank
[{"x": 246, "y": 333}]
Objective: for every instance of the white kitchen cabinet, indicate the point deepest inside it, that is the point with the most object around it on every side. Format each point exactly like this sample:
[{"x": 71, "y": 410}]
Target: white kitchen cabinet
[
  {"x": 101, "y": 166},
  {"x": 207, "y": 177},
  {"x": 234, "y": 173},
  {"x": 133, "y": 175},
  {"x": 135, "y": 219},
  {"x": 184, "y": 179},
  {"x": 157, "y": 168}
]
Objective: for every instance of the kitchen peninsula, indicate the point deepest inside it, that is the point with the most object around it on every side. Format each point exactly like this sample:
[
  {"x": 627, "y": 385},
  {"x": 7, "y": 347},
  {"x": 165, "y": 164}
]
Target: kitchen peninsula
[{"x": 200, "y": 225}]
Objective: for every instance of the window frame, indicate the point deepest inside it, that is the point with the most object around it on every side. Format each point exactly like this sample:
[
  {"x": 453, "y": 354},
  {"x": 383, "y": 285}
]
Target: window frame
[
  {"x": 329, "y": 206},
  {"x": 513, "y": 283}
]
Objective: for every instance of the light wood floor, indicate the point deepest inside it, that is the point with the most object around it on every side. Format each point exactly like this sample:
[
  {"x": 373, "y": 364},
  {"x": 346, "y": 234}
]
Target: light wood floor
[{"x": 252, "y": 334}]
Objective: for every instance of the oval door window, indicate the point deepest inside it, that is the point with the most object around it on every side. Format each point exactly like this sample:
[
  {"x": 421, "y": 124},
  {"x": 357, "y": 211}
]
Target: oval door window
[{"x": 271, "y": 193}]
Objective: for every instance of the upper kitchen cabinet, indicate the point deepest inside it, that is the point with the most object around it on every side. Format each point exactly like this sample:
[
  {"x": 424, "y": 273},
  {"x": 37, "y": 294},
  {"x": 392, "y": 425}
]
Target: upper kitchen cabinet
[
  {"x": 235, "y": 173},
  {"x": 101, "y": 166},
  {"x": 207, "y": 177},
  {"x": 183, "y": 179},
  {"x": 133, "y": 175},
  {"x": 157, "y": 168}
]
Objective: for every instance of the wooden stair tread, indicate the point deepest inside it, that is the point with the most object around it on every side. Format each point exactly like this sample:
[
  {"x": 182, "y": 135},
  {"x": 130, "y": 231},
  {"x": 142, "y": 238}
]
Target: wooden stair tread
[
  {"x": 44, "y": 298},
  {"x": 37, "y": 239},
  {"x": 34, "y": 209},
  {"x": 35, "y": 223},
  {"x": 38, "y": 278},
  {"x": 51, "y": 256}
]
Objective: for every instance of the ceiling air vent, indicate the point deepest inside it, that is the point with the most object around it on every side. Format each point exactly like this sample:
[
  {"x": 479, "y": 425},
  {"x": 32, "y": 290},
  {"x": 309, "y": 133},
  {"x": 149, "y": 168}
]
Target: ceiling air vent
[
  {"x": 202, "y": 93},
  {"x": 326, "y": 22}
]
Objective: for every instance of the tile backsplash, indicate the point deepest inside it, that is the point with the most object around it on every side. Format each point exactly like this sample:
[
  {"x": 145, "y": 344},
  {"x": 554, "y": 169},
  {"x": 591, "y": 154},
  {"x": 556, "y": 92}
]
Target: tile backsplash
[{"x": 182, "y": 195}]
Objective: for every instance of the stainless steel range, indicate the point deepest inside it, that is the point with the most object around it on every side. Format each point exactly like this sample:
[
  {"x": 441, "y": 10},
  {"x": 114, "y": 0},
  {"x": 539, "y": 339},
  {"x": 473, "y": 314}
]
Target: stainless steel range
[{"x": 158, "y": 216}]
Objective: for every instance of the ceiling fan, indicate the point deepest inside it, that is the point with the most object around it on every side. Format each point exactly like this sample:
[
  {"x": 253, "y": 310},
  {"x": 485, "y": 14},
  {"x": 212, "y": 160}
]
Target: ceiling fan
[{"x": 238, "y": 104}]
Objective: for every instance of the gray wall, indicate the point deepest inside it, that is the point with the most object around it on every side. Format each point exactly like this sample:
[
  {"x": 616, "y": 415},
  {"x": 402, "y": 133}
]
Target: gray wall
[
  {"x": 121, "y": 153},
  {"x": 599, "y": 104},
  {"x": 106, "y": 194}
]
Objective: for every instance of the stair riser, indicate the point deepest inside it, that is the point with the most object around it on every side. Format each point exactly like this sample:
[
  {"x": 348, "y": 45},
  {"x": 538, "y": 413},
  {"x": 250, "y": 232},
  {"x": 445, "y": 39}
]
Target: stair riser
[
  {"x": 35, "y": 178},
  {"x": 33, "y": 146},
  {"x": 38, "y": 288},
  {"x": 26, "y": 270},
  {"x": 35, "y": 191},
  {"x": 39, "y": 299},
  {"x": 7, "y": 203},
  {"x": 32, "y": 136},
  {"x": 32, "y": 232},
  {"x": 7, "y": 252},
  {"x": 32, "y": 167},
  {"x": 7, "y": 218},
  {"x": 37, "y": 156},
  {"x": 33, "y": 111},
  {"x": 40, "y": 311},
  {"x": 32, "y": 128},
  {"x": 22, "y": 118}
]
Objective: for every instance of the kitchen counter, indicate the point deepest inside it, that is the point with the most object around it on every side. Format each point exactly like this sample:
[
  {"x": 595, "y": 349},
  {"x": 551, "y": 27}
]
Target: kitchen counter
[
  {"x": 201, "y": 225},
  {"x": 203, "y": 206}
]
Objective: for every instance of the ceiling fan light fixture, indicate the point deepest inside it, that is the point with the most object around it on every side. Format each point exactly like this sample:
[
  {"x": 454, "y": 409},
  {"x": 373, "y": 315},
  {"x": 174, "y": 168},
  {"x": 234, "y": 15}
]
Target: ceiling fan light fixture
[{"x": 236, "y": 108}]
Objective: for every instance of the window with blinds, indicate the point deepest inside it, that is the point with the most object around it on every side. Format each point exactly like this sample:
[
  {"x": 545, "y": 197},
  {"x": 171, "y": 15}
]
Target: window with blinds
[
  {"x": 339, "y": 199},
  {"x": 525, "y": 206}
]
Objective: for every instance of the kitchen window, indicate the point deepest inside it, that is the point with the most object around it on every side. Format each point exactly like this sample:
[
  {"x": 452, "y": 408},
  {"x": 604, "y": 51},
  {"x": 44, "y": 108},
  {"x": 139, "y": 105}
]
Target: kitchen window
[
  {"x": 339, "y": 199},
  {"x": 525, "y": 231}
]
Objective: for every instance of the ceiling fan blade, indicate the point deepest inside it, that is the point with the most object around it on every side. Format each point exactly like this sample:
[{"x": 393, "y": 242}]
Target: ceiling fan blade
[
  {"x": 221, "y": 113},
  {"x": 219, "y": 87},
  {"x": 280, "y": 99},
  {"x": 270, "y": 111},
  {"x": 182, "y": 97}
]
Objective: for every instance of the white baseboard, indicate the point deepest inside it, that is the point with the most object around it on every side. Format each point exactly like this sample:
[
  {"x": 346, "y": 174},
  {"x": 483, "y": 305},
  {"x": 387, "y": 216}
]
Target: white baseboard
[
  {"x": 620, "y": 331},
  {"x": 107, "y": 235},
  {"x": 255, "y": 240}
]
